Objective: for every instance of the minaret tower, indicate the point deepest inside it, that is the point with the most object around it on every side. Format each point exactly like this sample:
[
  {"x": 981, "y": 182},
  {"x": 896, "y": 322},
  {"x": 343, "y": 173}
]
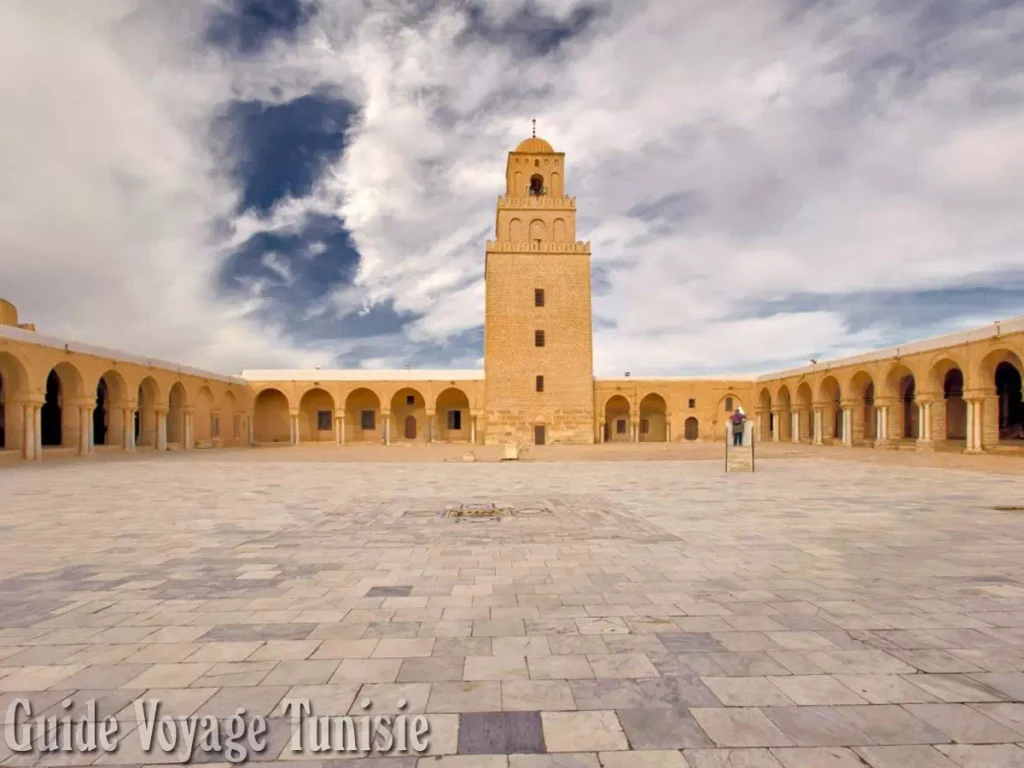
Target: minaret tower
[{"x": 538, "y": 338}]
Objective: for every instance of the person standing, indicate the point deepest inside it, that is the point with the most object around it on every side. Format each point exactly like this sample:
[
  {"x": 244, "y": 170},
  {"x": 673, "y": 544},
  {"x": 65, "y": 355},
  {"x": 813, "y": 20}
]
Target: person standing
[{"x": 738, "y": 418}]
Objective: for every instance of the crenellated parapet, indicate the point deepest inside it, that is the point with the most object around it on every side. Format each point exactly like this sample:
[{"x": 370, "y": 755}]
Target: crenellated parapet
[
  {"x": 505, "y": 246},
  {"x": 538, "y": 201}
]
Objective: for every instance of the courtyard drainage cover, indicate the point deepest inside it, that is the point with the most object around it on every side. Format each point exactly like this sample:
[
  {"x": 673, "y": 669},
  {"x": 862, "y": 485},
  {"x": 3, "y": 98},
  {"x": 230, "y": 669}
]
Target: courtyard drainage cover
[{"x": 478, "y": 511}]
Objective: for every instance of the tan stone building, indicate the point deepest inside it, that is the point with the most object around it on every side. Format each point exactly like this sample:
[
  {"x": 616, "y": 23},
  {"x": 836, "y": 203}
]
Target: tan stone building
[{"x": 959, "y": 392}]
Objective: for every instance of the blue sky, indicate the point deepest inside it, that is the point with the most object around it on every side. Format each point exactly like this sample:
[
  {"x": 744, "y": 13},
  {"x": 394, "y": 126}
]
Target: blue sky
[{"x": 289, "y": 183}]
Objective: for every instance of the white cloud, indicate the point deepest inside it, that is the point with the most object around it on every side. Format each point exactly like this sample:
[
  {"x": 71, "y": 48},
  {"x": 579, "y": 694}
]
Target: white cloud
[{"x": 803, "y": 165}]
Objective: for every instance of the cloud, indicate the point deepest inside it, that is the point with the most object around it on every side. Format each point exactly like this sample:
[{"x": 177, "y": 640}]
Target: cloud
[{"x": 289, "y": 183}]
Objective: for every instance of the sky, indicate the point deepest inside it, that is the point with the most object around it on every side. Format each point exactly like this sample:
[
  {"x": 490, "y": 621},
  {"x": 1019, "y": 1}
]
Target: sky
[{"x": 291, "y": 183}]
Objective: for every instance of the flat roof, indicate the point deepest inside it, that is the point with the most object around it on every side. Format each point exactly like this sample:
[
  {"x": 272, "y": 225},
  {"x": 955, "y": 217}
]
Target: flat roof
[
  {"x": 33, "y": 337},
  {"x": 363, "y": 374},
  {"x": 998, "y": 328}
]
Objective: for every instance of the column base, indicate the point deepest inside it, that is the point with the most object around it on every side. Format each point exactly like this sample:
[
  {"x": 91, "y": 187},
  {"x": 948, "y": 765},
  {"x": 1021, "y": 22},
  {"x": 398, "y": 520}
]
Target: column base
[{"x": 974, "y": 451}]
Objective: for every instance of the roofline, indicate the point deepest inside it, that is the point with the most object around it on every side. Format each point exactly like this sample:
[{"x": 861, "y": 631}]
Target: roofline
[
  {"x": 361, "y": 374},
  {"x": 32, "y": 337},
  {"x": 994, "y": 330}
]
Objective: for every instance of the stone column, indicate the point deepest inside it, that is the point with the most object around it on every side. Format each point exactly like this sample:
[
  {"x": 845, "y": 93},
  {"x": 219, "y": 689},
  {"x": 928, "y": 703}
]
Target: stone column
[
  {"x": 37, "y": 420},
  {"x": 341, "y": 432},
  {"x": 188, "y": 436},
  {"x": 777, "y": 422},
  {"x": 161, "y": 428},
  {"x": 84, "y": 431},
  {"x": 386, "y": 417},
  {"x": 975, "y": 423},
  {"x": 128, "y": 429},
  {"x": 337, "y": 429},
  {"x": 794, "y": 429},
  {"x": 251, "y": 428},
  {"x": 924, "y": 425},
  {"x": 472, "y": 429},
  {"x": 28, "y": 432},
  {"x": 882, "y": 426},
  {"x": 600, "y": 431},
  {"x": 817, "y": 427},
  {"x": 431, "y": 415}
]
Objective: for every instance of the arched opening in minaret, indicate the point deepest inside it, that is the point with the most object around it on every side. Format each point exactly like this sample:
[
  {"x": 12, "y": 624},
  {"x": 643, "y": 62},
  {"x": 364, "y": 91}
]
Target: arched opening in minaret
[{"x": 537, "y": 185}]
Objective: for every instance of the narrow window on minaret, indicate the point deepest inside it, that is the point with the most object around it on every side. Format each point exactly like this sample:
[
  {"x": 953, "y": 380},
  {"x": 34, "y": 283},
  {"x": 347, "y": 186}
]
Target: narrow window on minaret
[
  {"x": 540, "y": 383},
  {"x": 538, "y": 297},
  {"x": 538, "y": 338}
]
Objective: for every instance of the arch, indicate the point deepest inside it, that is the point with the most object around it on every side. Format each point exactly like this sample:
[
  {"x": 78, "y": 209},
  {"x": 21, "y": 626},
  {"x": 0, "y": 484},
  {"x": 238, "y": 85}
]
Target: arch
[
  {"x": 954, "y": 421},
  {"x": 766, "y": 426},
  {"x": 202, "y": 418},
  {"x": 691, "y": 429},
  {"x": 900, "y": 383},
  {"x": 177, "y": 401},
  {"x": 653, "y": 419},
  {"x": 407, "y": 402},
  {"x": 228, "y": 416},
  {"x": 830, "y": 394},
  {"x": 560, "y": 231},
  {"x": 517, "y": 184},
  {"x": 862, "y": 390},
  {"x": 617, "y": 420},
  {"x": 515, "y": 231},
  {"x": 362, "y": 416},
  {"x": 452, "y": 414},
  {"x": 556, "y": 184},
  {"x": 145, "y": 416},
  {"x": 538, "y": 232},
  {"x": 805, "y": 411},
  {"x": 316, "y": 416},
  {"x": 14, "y": 384},
  {"x": 537, "y": 185},
  {"x": 784, "y": 404},
  {"x": 1011, "y": 408},
  {"x": 271, "y": 418},
  {"x": 60, "y": 418},
  {"x": 108, "y": 417},
  {"x": 985, "y": 373}
]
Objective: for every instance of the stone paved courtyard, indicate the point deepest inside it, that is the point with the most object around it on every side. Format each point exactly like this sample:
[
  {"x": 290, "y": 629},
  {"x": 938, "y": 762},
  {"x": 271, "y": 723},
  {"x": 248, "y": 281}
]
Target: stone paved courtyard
[{"x": 817, "y": 614}]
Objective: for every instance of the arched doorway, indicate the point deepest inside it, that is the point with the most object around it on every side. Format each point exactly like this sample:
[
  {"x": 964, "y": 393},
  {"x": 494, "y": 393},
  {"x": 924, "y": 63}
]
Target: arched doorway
[
  {"x": 616, "y": 420},
  {"x": 362, "y": 417},
  {"x": 832, "y": 415},
  {"x": 862, "y": 418},
  {"x": 453, "y": 416},
  {"x": 407, "y": 404},
  {"x": 107, "y": 417},
  {"x": 145, "y": 415},
  {"x": 270, "y": 420},
  {"x": 229, "y": 417},
  {"x": 13, "y": 383},
  {"x": 1011, "y": 408},
  {"x": 805, "y": 411},
  {"x": 653, "y": 419},
  {"x": 176, "y": 415},
  {"x": 785, "y": 406},
  {"x": 956, "y": 406},
  {"x": 908, "y": 401},
  {"x": 202, "y": 418},
  {"x": 316, "y": 417},
  {"x": 691, "y": 429},
  {"x": 53, "y": 412},
  {"x": 764, "y": 405}
]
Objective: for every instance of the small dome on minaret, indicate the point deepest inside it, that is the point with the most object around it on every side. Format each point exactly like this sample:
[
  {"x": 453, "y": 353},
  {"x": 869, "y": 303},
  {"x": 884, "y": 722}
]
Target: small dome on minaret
[
  {"x": 535, "y": 146},
  {"x": 8, "y": 313}
]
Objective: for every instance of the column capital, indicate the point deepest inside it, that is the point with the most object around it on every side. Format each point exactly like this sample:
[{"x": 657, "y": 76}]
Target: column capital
[
  {"x": 979, "y": 393},
  {"x": 849, "y": 404},
  {"x": 431, "y": 413},
  {"x": 81, "y": 402},
  {"x": 882, "y": 402},
  {"x": 339, "y": 415},
  {"x": 130, "y": 405},
  {"x": 293, "y": 411},
  {"x": 161, "y": 409},
  {"x": 188, "y": 410},
  {"x": 385, "y": 412},
  {"x": 31, "y": 398}
]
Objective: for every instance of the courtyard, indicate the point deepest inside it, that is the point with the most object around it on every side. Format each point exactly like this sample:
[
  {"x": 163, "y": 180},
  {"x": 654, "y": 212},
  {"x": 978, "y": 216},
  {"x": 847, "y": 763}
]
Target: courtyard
[{"x": 574, "y": 614}]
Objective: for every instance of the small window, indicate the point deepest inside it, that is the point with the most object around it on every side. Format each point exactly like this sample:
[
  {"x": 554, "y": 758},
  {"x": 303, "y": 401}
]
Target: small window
[
  {"x": 540, "y": 383},
  {"x": 728, "y": 404},
  {"x": 323, "y": 421},
  {"x": 454, "y": 420},
  {"x": 215, "y": 425},
  {"x": 368, "y": 420},
  {"x": 620, "y": 427},
  {"x": 539, "y": 435},
  {"x": 538, "y": 338},
  {"x": 538, "y": 297},
  {"x": 645, "y": 427},
  {"x": 410, "y": 399},
  {"x": 693, "y": 403}
]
